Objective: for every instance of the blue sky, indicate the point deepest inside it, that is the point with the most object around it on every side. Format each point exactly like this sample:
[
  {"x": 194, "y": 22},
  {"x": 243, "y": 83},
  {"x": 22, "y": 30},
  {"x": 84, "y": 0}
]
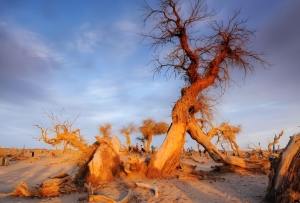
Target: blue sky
[{"x": 85, "y": 57}]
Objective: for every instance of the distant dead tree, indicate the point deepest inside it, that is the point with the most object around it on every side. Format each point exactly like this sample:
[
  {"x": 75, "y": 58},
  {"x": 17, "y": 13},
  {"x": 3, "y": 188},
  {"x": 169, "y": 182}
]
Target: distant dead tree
[
  {"x": 202, "y": 60},
  {"x": 152, "y": 128},
  {"x": 257, "y": 152},
  {"x": 63, "y": 133},
  {"x": 228, "y": 134},
  {"x": 105, "y": 130},
  {"x": 275, "y": 141},
  {"x": 127, "y": 131}
]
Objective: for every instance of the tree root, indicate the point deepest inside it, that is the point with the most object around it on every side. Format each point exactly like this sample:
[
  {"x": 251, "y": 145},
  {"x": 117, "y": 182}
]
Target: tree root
[
  {"x": 6, "y": 194},
  {"x": 146, "y": 186},
  {"x": 96, "y": 198}
]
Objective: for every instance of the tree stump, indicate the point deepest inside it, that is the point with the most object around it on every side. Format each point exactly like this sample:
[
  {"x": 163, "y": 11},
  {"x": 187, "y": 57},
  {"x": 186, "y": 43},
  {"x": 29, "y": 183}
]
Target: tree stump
[
  {"x": 105, "y": 164},
  {"x": 83, "y": 168},
  {"x": 284, "y": 179}
]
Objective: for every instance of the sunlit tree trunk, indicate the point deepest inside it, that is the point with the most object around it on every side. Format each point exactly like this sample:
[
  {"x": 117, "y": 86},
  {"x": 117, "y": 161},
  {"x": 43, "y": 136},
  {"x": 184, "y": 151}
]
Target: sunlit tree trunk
[
  {"x": 284, "y": 179},
  {"x": 149, "y": 140},
  {"x": 127, "y": 141},
  {"x": 168, "y": 155}
]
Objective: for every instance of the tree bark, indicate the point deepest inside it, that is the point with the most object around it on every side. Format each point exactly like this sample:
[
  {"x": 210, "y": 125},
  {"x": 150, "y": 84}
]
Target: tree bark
[
  {"x": 105, "y": 164},
  {"x": 149, "y": 142},
  {"x": 127, "y": 141},
  {"x": 168, "y": 155},
  {"x": 284, "y": 179},
  {"x": 196, "y": 133},
  {"x": 83, "y": 169}
]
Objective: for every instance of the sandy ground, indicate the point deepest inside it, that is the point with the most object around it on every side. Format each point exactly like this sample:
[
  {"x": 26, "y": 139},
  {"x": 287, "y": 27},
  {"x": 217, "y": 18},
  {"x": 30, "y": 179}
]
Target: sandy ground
[{"x": 227, "y": 187}]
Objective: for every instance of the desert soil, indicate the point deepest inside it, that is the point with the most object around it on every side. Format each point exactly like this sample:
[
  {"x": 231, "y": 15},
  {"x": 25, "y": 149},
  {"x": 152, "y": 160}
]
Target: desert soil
[{"x": 226, "y": 188}]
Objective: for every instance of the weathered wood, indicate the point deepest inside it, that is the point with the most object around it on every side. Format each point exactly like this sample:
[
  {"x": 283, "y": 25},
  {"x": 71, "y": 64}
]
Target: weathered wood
[
  {"x": 105, "y": 164},
  {"x": 96, "y": 198},
  {"x": 83, "y": 168},
  {"x": 59, "y": 185},
  {"x": 196, "y": 133},
  {"x": 167, "y": 157},
  {"x": 146, "y": 186},
  {"x": 284, "y": 179}
]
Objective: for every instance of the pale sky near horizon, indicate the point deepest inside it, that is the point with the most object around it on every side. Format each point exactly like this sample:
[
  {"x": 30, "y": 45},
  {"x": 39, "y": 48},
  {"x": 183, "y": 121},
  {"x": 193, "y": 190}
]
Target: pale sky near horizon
[{"x": 85, "y": 57}]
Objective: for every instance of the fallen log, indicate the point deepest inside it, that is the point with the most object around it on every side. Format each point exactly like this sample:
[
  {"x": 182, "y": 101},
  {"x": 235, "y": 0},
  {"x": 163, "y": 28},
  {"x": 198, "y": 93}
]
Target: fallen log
[{"x": 60, "y": 184}]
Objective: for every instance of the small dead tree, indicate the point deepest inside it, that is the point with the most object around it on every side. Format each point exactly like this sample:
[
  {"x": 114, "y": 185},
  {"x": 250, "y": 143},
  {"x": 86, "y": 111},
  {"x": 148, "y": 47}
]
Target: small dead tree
[
  {"x": 151, "y": 128},
  {"x": 64, "y": 134},
  {"x": 228, "y": 134},
  {"x": 275, "y": 141},
  {"x": 127, "y": 131},
  {"x": 257, "y": 152},
  {"x": 105, "y": 130}
]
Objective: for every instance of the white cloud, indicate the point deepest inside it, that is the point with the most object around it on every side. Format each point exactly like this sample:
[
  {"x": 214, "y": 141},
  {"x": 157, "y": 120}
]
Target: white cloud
[{"x": 117, "y": 39}]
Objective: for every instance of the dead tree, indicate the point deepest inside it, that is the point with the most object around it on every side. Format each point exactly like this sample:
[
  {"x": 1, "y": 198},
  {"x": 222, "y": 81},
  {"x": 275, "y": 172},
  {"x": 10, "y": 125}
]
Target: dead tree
[
  {"x": 63, "y": 133},
  {"x": 127, "y": 131},
  {"x": 152, "y": 128},
  {"x": 202, "y": 61},
  {"x": 105, "y": 130},
  {"x": 257, "y": 152},
  {"x": 276, "y": 140},
  {"x": 284, "y": 179}
]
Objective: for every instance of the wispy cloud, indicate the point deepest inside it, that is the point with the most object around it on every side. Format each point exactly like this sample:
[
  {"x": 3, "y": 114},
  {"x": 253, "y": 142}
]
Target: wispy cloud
[
  {"x": 26, "y": 59},
  {"x": 118, "y": 39},
  {"x": 89, "y": 38}
]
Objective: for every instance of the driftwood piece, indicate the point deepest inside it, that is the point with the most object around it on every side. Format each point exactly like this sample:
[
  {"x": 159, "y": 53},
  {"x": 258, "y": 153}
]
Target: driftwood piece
[
  {"x": 25, "y": 190},
  {"x": 56, "y": 186},
  {"x": 146, "y": 186},
  {"x": 96, "y": 198}
]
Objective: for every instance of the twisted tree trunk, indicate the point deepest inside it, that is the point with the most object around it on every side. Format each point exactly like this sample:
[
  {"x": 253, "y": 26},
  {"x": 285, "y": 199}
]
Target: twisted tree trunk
[{"x": 284, "y": 179}]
